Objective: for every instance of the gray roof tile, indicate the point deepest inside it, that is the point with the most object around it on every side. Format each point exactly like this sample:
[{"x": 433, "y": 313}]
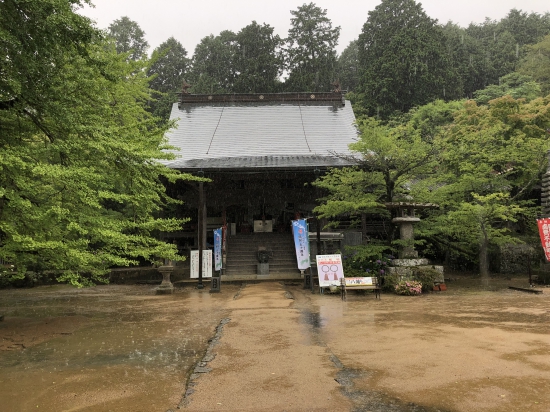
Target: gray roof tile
[{"x": 271, "y": 135}]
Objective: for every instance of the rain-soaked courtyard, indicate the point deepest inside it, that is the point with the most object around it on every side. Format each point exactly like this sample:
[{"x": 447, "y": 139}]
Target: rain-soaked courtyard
[{"x": 275, "y": 347}]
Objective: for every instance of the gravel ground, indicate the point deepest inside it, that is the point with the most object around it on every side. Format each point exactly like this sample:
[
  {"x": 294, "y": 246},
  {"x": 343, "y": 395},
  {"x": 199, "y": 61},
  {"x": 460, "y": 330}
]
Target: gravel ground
[{"x": 275, "y": 347}]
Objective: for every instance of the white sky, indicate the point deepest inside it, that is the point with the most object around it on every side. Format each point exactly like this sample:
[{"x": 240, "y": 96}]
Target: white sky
[{"x": 190, "y": 21}]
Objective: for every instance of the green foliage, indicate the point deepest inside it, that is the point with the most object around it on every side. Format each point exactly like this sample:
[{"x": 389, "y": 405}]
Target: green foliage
[
  {"x": 483, "y": 53},
  {"x": 250, "y": 61},
  {"x": 311, "y": 54},
  {"x": 390, "y": 281},
  {"x": 513, "y": 84},
  {"x": 129, "y": 38},
  {"x": 389, "y": 156},
  {"x": 80, "y": 158},
  {"x": 526, "y": 28},
  {"x": 213, "y": 64},
  {"x": 372, "y": 259},
  {"x": 427, "y": 276},
  {"x": 258, "y": 60},
  {"x": 350, "y": 190},
  {"x": 348, "y": 67},
  {"x": 401, "y": 59},
  {"x": 394, "y": 154},
  {"x": 169, "y": 64},
  {"x": 490, "y": 159},
  {"x": 537, "y": 64}
]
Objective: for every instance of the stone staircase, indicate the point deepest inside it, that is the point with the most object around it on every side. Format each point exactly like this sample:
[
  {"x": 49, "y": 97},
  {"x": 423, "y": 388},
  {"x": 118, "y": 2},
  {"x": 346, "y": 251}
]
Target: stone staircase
[{"x": 242, "y": 254}]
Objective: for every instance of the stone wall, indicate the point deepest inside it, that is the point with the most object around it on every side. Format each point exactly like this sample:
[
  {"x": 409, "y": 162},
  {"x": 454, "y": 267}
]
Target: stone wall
[{"x": 146, "y": 275}]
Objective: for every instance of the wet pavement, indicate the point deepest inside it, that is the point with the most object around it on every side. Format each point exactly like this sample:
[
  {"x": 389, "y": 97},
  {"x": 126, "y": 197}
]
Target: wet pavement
[
  {"x": 274, "y": 347},
  {"x": 107, "y": 348}
]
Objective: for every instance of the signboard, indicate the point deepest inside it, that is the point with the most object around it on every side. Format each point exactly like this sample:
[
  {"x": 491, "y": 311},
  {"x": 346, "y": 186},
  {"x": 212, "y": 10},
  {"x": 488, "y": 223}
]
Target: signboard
[
  {"x": 351, "y": 282},
  {"x": 218, "y": 249},
  {"x": 301, "y": 242},
  {"x": 544, "y": 231},
  {"x": 329, "y": 270},
  {"x": 206, "y": 264}
]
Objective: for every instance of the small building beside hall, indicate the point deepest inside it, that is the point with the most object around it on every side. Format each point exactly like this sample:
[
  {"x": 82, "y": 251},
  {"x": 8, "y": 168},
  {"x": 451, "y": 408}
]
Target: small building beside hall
[{"x": 261, "y": 153}]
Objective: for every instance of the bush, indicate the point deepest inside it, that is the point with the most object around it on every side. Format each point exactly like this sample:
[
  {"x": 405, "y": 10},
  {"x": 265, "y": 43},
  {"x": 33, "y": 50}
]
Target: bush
[
  {"x": 366, "y": 260},
  {"x": 408, "y": 287},
  {"x": 426, "y": 276},
  {"x": 389, "y": 282}
]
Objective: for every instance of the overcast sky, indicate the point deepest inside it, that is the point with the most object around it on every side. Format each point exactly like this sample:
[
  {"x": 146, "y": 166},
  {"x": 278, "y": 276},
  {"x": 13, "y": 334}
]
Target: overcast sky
[{"x": 190, "y": 21}]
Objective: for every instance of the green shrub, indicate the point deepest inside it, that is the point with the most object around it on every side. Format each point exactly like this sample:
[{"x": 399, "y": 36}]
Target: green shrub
[
  {"x": 366, "y": 260},
  {"x": 426, "y": 276},
  {"x": 389, "y": 282}
]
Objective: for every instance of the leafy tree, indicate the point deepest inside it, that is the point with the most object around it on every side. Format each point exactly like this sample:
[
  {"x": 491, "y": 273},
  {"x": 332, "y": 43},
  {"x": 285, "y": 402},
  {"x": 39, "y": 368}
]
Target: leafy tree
[
  {"x": 80, "y": 178},
  {"x": 525, "y": 28},
  {"x": 491, "y": 157},
  {"x": 129, "y": 38},
  {"x": 389, "y": 157},
  {"x": 401, "y": 59},
  {"x": 537, "y": 64},
  {"x": 258, "y": 60},
  {"x": 169, "y": 64},
  {"x": 348, "y": 67},
  {"x": 513, "y": 84},
  {"x": 467, "y": 57},
  {"x": 311, "y": 54},
  {"x": 213, "y": 69}
]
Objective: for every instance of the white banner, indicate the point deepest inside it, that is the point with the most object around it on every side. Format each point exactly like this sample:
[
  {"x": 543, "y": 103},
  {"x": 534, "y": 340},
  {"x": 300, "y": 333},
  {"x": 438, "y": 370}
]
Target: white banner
[{"x": 206, "y": 264}]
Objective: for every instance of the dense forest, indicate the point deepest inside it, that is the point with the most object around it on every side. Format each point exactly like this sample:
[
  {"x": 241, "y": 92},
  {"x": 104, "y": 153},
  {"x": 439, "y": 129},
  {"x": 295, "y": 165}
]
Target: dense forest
[{"x": 449, "y": 115}]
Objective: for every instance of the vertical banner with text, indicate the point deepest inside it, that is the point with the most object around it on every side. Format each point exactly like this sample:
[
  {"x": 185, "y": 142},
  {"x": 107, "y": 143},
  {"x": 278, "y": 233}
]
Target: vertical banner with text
[
  {"x": 206, "y": 264},
  {"x": 218, "y": 249},
  {"x": 544, "y": 231},
  {"x": 301, "y": 241}
]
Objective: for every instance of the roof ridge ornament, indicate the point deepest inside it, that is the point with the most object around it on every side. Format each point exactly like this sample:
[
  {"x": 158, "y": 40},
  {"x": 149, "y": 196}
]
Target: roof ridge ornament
[{"x": 317, "y": 98}]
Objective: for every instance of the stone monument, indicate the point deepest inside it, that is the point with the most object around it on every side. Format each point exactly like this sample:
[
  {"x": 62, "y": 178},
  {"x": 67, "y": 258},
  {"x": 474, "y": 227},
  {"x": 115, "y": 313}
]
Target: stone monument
[
  {"x": 166, "y": 287},
  {"x": 407, "y": 255}
]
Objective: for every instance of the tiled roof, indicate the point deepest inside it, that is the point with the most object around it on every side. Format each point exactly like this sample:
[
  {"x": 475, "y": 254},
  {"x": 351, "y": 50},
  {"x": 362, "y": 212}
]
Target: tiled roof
[{"x": 261, "y": 135}]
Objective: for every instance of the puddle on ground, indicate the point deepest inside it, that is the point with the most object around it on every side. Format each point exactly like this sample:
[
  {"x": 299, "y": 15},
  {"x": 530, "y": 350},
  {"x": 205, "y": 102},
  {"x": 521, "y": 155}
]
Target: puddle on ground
[
  {"x": 104, "y": 348},
  {"x": 469, "y": 348}
]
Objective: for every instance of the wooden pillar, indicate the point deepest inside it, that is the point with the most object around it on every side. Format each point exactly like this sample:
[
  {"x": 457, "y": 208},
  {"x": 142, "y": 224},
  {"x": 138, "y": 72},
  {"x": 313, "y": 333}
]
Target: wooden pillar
[
  {"x": 201, "y": 231},
  {"x": 319, "y": 236}
]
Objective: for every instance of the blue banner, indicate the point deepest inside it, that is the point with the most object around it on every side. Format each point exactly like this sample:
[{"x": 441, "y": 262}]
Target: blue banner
[
  {"x": 218, "y": 249},
  {"x": 301, "y": 241}
]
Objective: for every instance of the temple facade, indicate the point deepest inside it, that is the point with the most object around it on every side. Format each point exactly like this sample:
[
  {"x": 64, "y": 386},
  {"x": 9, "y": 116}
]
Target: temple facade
[{"x": 260, "y": 152}]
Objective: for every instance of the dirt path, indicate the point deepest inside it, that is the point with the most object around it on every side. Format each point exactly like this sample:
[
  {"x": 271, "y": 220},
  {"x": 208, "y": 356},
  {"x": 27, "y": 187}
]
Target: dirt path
[{"x": 268, "y": 360}]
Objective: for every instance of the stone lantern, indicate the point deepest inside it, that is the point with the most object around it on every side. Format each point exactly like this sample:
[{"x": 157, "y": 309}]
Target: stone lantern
[
  {"x": 166, "y": 287},
  {"x": 407, "y": 255}
]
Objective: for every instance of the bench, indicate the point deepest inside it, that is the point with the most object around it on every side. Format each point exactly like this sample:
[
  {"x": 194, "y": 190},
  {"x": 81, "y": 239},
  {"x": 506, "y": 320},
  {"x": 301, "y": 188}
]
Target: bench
[{"x": 367, "y": 283}]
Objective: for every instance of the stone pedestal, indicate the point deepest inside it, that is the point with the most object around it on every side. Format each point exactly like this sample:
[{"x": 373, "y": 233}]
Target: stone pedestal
[
  {"x": 166, "y": 287},
  {"x": 215, "y": 284},
  {"x": 263, "y": 269},
  {"x": 308, "y": 281}
]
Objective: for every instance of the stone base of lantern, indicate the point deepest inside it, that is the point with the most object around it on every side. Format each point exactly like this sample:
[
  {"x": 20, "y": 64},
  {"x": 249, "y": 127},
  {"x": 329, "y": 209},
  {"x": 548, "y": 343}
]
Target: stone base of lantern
[{"x": 166, "y": 287}]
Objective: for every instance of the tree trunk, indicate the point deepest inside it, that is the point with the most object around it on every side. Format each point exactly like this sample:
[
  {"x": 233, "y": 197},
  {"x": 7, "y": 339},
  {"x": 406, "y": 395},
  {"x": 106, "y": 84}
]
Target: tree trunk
[
  {"x": 484, "y": 259},
  {"x": 390, "y": 184}
]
